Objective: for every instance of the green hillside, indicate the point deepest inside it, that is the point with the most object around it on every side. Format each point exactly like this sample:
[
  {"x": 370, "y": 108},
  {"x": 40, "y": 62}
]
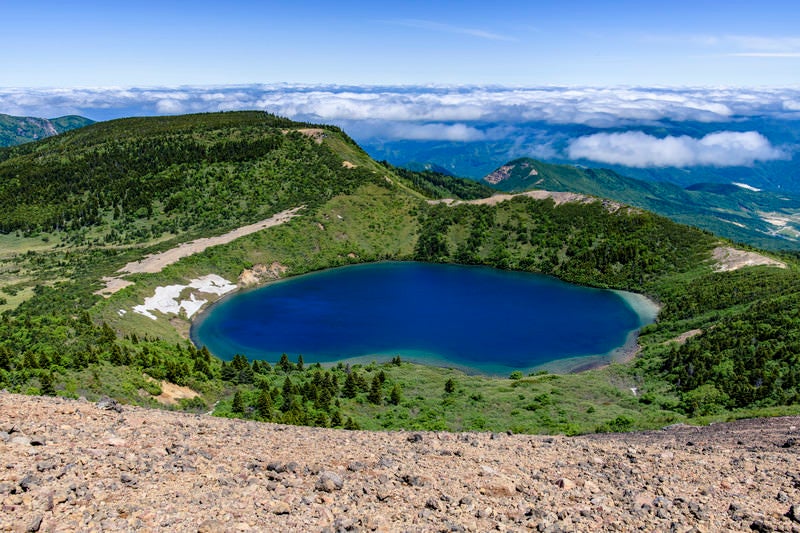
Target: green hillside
[
  {"x": 19, "y": 130},
  {"x": 759, "y": 218},
  {"x": 80, "y": 206}
]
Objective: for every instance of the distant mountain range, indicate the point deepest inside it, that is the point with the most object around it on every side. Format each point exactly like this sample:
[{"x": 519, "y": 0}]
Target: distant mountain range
[
  {"x": 497, "y": 142},
  {"x": 19, "y": 130},
  {"x": 736, "y": 211}
]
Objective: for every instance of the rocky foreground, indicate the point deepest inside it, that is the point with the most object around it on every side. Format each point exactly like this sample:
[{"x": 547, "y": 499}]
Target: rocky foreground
[{"x": 71, "y": 465}]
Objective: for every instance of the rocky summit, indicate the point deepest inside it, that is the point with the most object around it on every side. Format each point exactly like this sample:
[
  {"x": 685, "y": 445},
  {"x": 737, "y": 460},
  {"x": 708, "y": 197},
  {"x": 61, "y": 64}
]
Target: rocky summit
[{"x": 74, "y": 465}]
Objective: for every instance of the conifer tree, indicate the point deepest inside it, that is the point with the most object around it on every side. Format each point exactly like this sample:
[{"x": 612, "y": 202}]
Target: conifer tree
[
  {"x": 375, "y": 394},
  {"x": 46, "y": 379},
  {"x": 264, "y": 404},
  {"x": 350, "y": 388},
  {"x": 395, "y": 397},
  {"x": 238, "y": 403}
]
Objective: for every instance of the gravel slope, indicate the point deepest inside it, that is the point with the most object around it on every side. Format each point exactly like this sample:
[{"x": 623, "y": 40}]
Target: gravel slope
[{"x": 72, "y": 465}]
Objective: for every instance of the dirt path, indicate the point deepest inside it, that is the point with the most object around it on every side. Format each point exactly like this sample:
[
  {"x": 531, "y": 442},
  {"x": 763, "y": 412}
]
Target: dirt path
[{"x": 157, "y": 262}]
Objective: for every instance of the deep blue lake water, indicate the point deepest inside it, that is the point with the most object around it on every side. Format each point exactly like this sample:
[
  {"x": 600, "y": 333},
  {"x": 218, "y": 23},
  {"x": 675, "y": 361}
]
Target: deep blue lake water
[{"x": 475, "y": 318}]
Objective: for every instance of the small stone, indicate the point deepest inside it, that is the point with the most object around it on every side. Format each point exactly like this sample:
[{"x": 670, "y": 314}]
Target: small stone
[
  {"x": 329, "y": 481},
  {"x": 356, "y": 466},
  {"x": 20, "y": 440},
  {"x": 416, "y": 437},
  {"x": 35, "y": 523},
  {"x": 385, "y": 462},
  {"x": 565, "y": 483},
  {"x": 414, "y": 481},
  {"x": 281, "y": 507},
  {"x": 275, "y": 466},
  {"x": 44, "y": 466},
  {"x": 794, "y": 513},
  {"x": 128, "y": 479},
  {"x": 28, "y": 482},
  {"x": 761, "y": 527},
  {"x": 109, "y": 404},
  {"x": 432, "y": 504}
]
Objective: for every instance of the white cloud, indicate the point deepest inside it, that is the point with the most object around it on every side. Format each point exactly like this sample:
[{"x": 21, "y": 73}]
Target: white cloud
[
  {"x": 597, "y": 107},
  {"x": 637, "y": 149},
  {"x": 169, "y": 106},
  {"x": 426, "y": 132}
]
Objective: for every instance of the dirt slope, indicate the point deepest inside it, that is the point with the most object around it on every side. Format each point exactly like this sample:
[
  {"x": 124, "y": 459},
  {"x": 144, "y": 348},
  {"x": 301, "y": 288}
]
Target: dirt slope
[{"x": 71, "y": 465}]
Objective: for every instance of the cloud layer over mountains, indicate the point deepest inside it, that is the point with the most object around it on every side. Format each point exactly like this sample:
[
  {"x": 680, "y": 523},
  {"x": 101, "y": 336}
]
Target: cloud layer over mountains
[
  {"x": 637, "y": 149},
  {"x": 470, "y": 114}
]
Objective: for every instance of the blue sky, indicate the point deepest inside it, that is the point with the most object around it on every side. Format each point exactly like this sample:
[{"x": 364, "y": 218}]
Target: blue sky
[{"x": 528, "y": 43}]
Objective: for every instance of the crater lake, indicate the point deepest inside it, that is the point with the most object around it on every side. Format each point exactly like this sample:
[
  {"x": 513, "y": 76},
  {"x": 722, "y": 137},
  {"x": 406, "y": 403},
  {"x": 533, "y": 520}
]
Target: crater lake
[{"x": 478, "y": 319}]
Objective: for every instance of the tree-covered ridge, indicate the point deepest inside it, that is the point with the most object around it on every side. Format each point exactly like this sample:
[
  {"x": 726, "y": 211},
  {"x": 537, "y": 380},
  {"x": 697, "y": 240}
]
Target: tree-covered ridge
[
  {"x": 437, "y": 185},
  {"x": 145, "y": 177},
  {"x": 19, "y": 130},
  {"x": 582, "y": 243},
  {"x": 727, "y": 210}
]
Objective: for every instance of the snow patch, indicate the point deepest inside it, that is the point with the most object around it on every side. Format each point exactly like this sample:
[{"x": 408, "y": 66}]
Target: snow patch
[
  {"x": 746, "y": 186},
  {"x": 167, "y": 299}
]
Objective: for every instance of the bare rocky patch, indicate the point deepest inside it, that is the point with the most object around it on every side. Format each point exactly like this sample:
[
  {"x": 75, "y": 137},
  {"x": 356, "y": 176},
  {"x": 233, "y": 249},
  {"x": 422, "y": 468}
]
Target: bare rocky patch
[
  {"x": 72, "y": 465},
  {"x": 557, "y": 197},
  {"x": 261, "y": 274},
  {"x": 727, "y": 259}
]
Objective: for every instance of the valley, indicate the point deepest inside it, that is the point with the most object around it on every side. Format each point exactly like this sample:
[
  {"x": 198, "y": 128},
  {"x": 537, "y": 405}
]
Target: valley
[{"x": 207, "y": 175}]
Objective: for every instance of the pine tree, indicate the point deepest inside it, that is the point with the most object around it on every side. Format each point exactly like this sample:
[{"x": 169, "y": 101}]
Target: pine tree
[
  {"x": 300, "y": 363},
  {"x": 351, "y": 424},
  {"x": 264, "y": 404},
  {"x": 46, "y": 379},
  {"x": 238, "y": 403},
  {"x": 395, "y": 397},
  {"x": 449, "y": 386},
  {"x": 284, "y": 365},
  {"x": 375, "y": 394},
  {"x": 350, "y": 388}
]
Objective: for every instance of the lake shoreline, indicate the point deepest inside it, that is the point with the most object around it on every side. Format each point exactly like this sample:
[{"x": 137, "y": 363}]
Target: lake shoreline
[{"x": 643, "y": 307}]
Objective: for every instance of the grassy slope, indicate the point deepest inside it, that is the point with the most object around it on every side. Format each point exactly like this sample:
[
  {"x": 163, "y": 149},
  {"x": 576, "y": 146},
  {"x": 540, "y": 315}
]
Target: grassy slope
[{"x": 375, "y": 218}]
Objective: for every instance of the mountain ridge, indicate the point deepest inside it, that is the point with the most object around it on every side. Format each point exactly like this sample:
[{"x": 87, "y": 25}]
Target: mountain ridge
[
  {"x": 19, "y": 130},
  {"x": 759, "y": 218}
]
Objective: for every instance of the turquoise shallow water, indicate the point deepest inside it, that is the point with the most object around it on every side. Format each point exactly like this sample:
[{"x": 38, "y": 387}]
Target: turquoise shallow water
[{"x": 475, "y": 318}]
